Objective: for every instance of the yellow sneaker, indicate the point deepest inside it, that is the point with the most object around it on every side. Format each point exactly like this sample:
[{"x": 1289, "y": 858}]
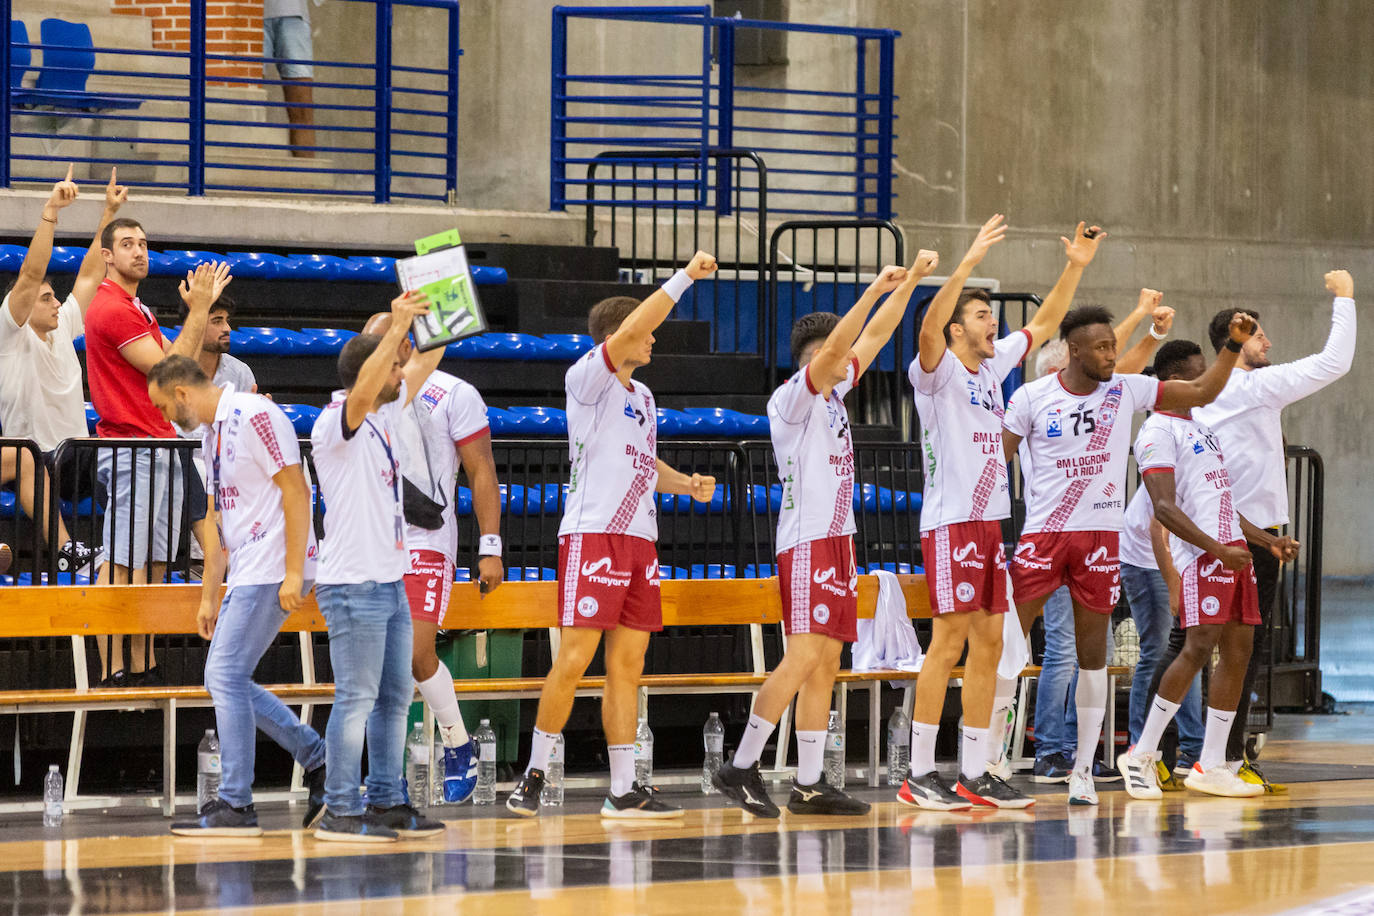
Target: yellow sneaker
[
  {"x": 1168, "y": 782},
  {"x": 1251, "y": 774}
]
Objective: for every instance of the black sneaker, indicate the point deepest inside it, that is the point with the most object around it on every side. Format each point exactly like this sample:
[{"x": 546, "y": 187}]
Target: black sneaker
[
  {"x": 987, "y": 791},
  {"x": 354, "y": 828},
  {"x": 114, "y": 681},
  {"x": 75, "y": 557},
  {"x": 314, "y": 803},
  {"x": 220, "y": 819},
  {"x": 150, "y": 678},
  {"x": 823, "y": 798},
  {"x": 524, "y": 801},
  {"x": 744, "y": 787},
  {"x": 1051, "y": 769},
  {"x": 1104, "y": 773},
  {"x": 931, "y": 792},
  {"x": 405, "y": 820},
  {"x": 640, "y": 803}
]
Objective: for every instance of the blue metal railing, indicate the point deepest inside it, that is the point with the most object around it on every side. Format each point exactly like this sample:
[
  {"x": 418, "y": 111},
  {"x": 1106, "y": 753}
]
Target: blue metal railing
[
  {"x": 387, "y": 128},
  {"x": 829, "y": 147}
]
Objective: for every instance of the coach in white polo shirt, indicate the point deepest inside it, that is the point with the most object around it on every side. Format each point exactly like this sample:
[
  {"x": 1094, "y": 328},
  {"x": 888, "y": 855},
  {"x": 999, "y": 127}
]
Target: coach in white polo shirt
[
  {"x": 363, "y": 561},
  {"x": 259, "y": 506}
]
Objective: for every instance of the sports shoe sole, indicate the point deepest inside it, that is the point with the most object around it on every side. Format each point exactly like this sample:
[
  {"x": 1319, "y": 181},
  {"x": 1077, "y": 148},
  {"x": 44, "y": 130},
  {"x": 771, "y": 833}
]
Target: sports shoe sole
[
  {"x": 419, "y": 834},
  {"x": 1049, "y": 780},
  {"x": 639, "y": 814},
  {"x": 736, "y": 795},
  {"x": 362, "y": 839},
  {"x": 932, "y": 804},
  {"x": 521, "y": 812},
  {"x": 804, "y": 808},
  {"x": 1199, "y": 786},
  {"x": 982, "y": 801},
  {"x": 218, "y": 832}
]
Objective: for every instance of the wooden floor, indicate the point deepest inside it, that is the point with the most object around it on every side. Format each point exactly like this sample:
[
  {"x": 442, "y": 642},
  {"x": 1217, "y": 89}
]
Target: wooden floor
[{"x": 1309, "y": 851}]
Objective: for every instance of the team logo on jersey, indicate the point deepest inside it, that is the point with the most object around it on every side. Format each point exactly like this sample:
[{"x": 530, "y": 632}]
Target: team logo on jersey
[
  {"x": 432, "y": 396},
  {"x": 601, "y": 573},
  {"x": 821, "y": 613},
  {"x": 651, "y": 572},
  {"x": 973, "y": 392},
  {"x": 1026, "y": 556},
  {"x": 633, "y": 412},
  {"x": 968, "y": 557},
  {"x": 1198, "y": 447},
  {"x": 1098, "y": 561},
  {"x": 964, "y": 591},
  {"x": 1054, "y": 424},
  {"x": 1214, "y": 572},
  {"x": 820, "y": 578},
  {"x": 1211, "y": 606},
  {"x": 587, "y": 607},
  {"x": 827, "y": 581}
]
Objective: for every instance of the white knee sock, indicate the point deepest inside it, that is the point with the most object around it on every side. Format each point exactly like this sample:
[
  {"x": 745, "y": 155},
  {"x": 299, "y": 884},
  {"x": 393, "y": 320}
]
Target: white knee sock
[
  {"x": 622, "y": 767},
  {"x": 541, "y": 748},
  {"x": 1161, "y": 714},
  {"x": 438, "y": 693},
  {"x": 973, "y": 752},
  {"x": 1214, "y": 740},
  {"x": 1090, "y": 699},
  {"x": 756, "y": 735},
  {"x": 923, "y": 747},
  {"x": 810, "y": 757}
]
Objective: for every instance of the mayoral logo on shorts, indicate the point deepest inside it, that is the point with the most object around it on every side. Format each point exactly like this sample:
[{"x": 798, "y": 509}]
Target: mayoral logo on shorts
[
  {"x": 1211, "y": 606},
  {"x": 821, "y": 613},
  {"x": 964, "y": 591},
  {"x": 587, "y": 607}
]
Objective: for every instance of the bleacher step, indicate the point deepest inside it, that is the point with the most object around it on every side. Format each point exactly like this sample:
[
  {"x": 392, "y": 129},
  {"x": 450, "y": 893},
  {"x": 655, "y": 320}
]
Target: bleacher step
[{"x": 547, "y": 262}]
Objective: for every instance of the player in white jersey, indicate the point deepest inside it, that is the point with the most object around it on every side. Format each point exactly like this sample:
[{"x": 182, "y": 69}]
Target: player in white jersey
[
  {"x": 444, "y": 429},
  {"x": 1076, "y": 426},
  {"x": 259, "y": 508},
  {"x": 1185, "y": 471},
  {"x": 607, "y": 563},
  {"x": 957, "y": 376},
  {"x": 816, "y": 570}
]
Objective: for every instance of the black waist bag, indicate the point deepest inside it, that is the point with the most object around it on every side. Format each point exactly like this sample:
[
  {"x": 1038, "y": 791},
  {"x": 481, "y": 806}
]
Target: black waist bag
[{"x": 420, "y": 510}]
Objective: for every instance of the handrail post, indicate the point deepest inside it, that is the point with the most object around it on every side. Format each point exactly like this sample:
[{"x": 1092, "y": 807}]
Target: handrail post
[
  {"x": 860, "y": 125},
  {"x": 558, "y": 111},
  {"x": 725, "y": 107},
  {"x": 886, "y": 45},
  {"x": 195, "y": 128},
  {"x": 451, "y": 128},
  {"x": 6, "y": 98},
  {"x": 381, "y": 140}
]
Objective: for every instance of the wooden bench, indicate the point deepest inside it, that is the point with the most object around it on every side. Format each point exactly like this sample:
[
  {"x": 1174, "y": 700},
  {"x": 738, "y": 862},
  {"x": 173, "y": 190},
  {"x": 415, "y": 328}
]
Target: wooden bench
[{"x": 80, "y": 611}]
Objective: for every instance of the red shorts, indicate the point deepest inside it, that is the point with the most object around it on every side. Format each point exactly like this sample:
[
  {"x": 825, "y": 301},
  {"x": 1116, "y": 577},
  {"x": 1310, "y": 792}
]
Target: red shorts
[
  {"x": 1214, "y": 594},
  {"x": 1087, "y": 562},
  {"x": 819, "y": 585},
  {"x": 966, "y": 567},
  {"x": 428, "y": 581},
  {"x": 607, "y": 581}
]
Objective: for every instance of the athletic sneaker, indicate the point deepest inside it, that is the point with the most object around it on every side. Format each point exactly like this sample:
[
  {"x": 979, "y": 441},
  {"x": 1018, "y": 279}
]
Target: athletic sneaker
[
  {"x": 931, "y": 792},
  {"x": 1053, "y": 768},
  {"x": 314, "y": 803},
  {"x": 75, "y": 557},
  {"x": 6, "y": 558},
  {"x": 823, "y": 798},
  {"x": 354, "y": 828},
  {"x": 1103, "y": 772},
  {"x": 524, "y": 801},
  {"x": 1140, "y": 775},
  {"x": 405, "y": 820},
  {"x": 1002, "y": 768},
  {"x": 989, "y": 791},
  {"x": 1081, "y": 788},
  {"x": 460, "y": 772},
  {"x": 1168, "y": 780},
  {"x": 1251, "y": 774},
  {"x": 219, "y": 818},
  {"x": 744, "y": 786},
  {"x": 639, "y": 803},
  {"x": 1219, "y": 780}
]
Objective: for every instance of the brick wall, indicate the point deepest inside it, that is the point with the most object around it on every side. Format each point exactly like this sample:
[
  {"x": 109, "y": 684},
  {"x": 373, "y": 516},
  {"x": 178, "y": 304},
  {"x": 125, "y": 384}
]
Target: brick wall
[{"x": 230, "y": 28}]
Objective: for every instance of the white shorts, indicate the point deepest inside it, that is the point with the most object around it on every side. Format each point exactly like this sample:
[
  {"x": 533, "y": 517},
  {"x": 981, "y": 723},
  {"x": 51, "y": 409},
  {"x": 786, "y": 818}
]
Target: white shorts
[{"x": 287, "y": 38}]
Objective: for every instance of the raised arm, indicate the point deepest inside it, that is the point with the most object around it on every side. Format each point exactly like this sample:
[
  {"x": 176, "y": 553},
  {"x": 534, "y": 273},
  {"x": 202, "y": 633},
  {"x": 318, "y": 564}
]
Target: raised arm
[
  {"x": 1288, "y": 382},
  {"x": 878, "y": 331},
  {"x": 653, "y": 311},
  {"x": 830, "y": 362},
  {"x": 931, "y": 338},
  {"x": 377, "y": 368},
  {"x": 1180, "y": 394},
  {"x": 199, "y": 291},
  {"x": 1138, "y": 357},
  {"x": 1160, "y": 484},
  {"x": 93, "y": 265},
  {"x": 1144, "y": 305},
  {"x": 419, "y": 368},
  {"x": 1080, "y": 252},
  {"x": 35, "y": 267}
]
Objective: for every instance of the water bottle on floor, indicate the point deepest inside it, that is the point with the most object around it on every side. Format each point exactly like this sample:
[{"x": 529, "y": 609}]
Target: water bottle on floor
[
  {"x": 52, "y": 797},
  {"x": 713, "y": 737},
  {"x": 552, "y": 795},
  {"x": 418, "y": 757},
  {"x": 833, "y": 762},
  {"x": 898, "y": 747},
  {"x": 644, "y": 753},
  {"x": 485, "y": 794},
  {"x": 207, "y": 770}
]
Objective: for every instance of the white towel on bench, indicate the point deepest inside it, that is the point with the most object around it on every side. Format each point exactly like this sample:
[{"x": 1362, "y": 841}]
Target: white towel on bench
[{"x": 888, "y": 641}]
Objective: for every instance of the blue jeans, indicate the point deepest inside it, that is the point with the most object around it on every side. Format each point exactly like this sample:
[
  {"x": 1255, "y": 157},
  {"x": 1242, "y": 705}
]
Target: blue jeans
[
  {"x": 1056, "y": 717},
  {"x": 369, "y": 649},
  {"x": 1148, "y": 597},
  {"x": 249, "y": 619}
]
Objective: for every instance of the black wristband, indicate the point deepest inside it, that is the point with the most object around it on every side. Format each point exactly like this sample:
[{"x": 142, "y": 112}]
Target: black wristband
[{"x": 1232, "y": 346}]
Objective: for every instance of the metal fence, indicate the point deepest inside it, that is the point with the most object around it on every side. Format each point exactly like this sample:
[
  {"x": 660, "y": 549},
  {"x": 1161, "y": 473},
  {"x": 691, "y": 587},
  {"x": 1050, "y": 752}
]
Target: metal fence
[
  {"x": 177, "y": 121},
  {"x": 24, "y": 479}
]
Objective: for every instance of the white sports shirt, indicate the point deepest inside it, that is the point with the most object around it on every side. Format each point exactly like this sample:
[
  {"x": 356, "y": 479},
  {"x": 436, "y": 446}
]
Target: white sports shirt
[
  {"x": 40, "y": 379},
  {"x": 458, "y": 415},
  {"x": 1136, "y": 547}
]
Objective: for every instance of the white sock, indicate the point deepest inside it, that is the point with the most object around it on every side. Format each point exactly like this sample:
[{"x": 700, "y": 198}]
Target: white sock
[
  {"x": 923, "y": 747},
  {"x": 973, "y": 752},
  {"x": 541, "y": 748},
  {"x": 622, "y": 767},
  {"x": 810, "y": 756},
  {"x": 998, "y": 725},
  {"x": 1091, "y": 701},
  {"x": 756, "y": 735},
  {"x": 1234, "y": 765},
  {"x": 438, "y": 693},
  {"x": 1214, "y": 740},
  {"x": 1161, "y": 714}
]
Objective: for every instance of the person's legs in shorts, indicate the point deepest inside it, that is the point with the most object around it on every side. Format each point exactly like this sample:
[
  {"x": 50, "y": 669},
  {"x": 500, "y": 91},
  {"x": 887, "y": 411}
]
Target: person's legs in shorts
[{"x": 287, "y": 39}]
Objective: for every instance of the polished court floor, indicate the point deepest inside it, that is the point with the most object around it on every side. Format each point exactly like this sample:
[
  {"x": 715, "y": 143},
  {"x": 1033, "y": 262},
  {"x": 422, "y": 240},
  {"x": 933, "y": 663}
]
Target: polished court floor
[{"x": 1309, "y": 851}]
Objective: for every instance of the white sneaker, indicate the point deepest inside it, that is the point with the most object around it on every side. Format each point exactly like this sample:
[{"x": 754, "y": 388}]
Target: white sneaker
[
  {"x": 1221, "y": 781},
  {"x": 1139, "y": 773},
  {"x": 1081, "y": 788}
]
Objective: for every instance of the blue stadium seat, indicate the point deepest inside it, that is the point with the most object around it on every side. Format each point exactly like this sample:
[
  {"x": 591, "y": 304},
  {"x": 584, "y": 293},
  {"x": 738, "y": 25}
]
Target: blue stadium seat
[
  {"x": 376, "y": 269},
  {"x": 537, "y": 421},
  {"x": 488, "y": 276},
  {"x": 501, "y": 421},
  {"x": 681, "y": 503},
  {"x": 68, "y": 58},
  {"x": 12, "y": 256},
  {"x": 900, "y": 569},
  {"x": 761, "y": 571},
  {"x": 175, "y": 262},
  {"x": 763, "y": 499},
  {"x": 570, "y": 346},
  {"x": 676, "y": 423},
  {"x": 720, "y": 421},
  {"x": 92, "y": 418},
  {"x": 323, "y": 267},
  {"x": 462, "y": 574},
  {"x": 62, "y": 578},
  {"x": 7, "y": 504},
  {"x": 674, "y": 572},
  {"x": 530, "y": 574},
  {"x": 267, "y": 342},
  {"x": 66, "y": 259},
  {"x": 463, "y": 504},
  {"x": 302, "y": 417},
  {"x": 516, "y": 499},
  {"x": 264, "y": 265},
  {"x": 21, "y": 58},
  {"x": 713, "y": 571},
  {"x": 324, "y": 341}
]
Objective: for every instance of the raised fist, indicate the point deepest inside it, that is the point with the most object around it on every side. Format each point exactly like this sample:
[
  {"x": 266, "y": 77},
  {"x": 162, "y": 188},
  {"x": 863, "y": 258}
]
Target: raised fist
[
  {"x": 701, "y": 265},
  {"x": 1339, "y": 283},
  {"x": 888, "y": 279},
  {"x": 1242, "y": 327},
  {"x": 1162, "y": 319},
  {"x": 926, "y": 262}
]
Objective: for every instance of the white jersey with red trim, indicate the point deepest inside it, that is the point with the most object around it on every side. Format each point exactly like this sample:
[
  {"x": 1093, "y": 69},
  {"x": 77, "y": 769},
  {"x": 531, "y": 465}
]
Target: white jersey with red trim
[
  {"x": 815, "y": 456},
  {"x": 1077, "y": 445},
  {"x": 457, "y": 415},
  {"x": 961, "y": 434},
  {"x": 1137, "y": 549},
  {"x": 1202, "y": 486},
  {"x": 613, "y": 446}
]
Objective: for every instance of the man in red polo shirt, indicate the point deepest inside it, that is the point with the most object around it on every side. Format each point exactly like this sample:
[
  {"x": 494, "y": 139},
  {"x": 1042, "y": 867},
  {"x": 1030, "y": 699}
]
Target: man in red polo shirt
[{"x": 123, "y": 342}]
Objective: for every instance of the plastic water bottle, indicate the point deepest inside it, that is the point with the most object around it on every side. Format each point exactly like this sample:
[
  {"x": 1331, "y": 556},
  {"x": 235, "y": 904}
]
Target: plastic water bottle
[
  {"x": 417, "y": 766},
  {"x": 644, "y": 753},
  {"x": 485, "y": 794},
  {"x": 552, "y": 795},
  {"x": 898, "y": 748},
  {"x": 52, "y": 797},
  {"x": 207, "y": 770},
  {"x": 713, "y": 737},
  {"x": 834, "y": 751}
]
